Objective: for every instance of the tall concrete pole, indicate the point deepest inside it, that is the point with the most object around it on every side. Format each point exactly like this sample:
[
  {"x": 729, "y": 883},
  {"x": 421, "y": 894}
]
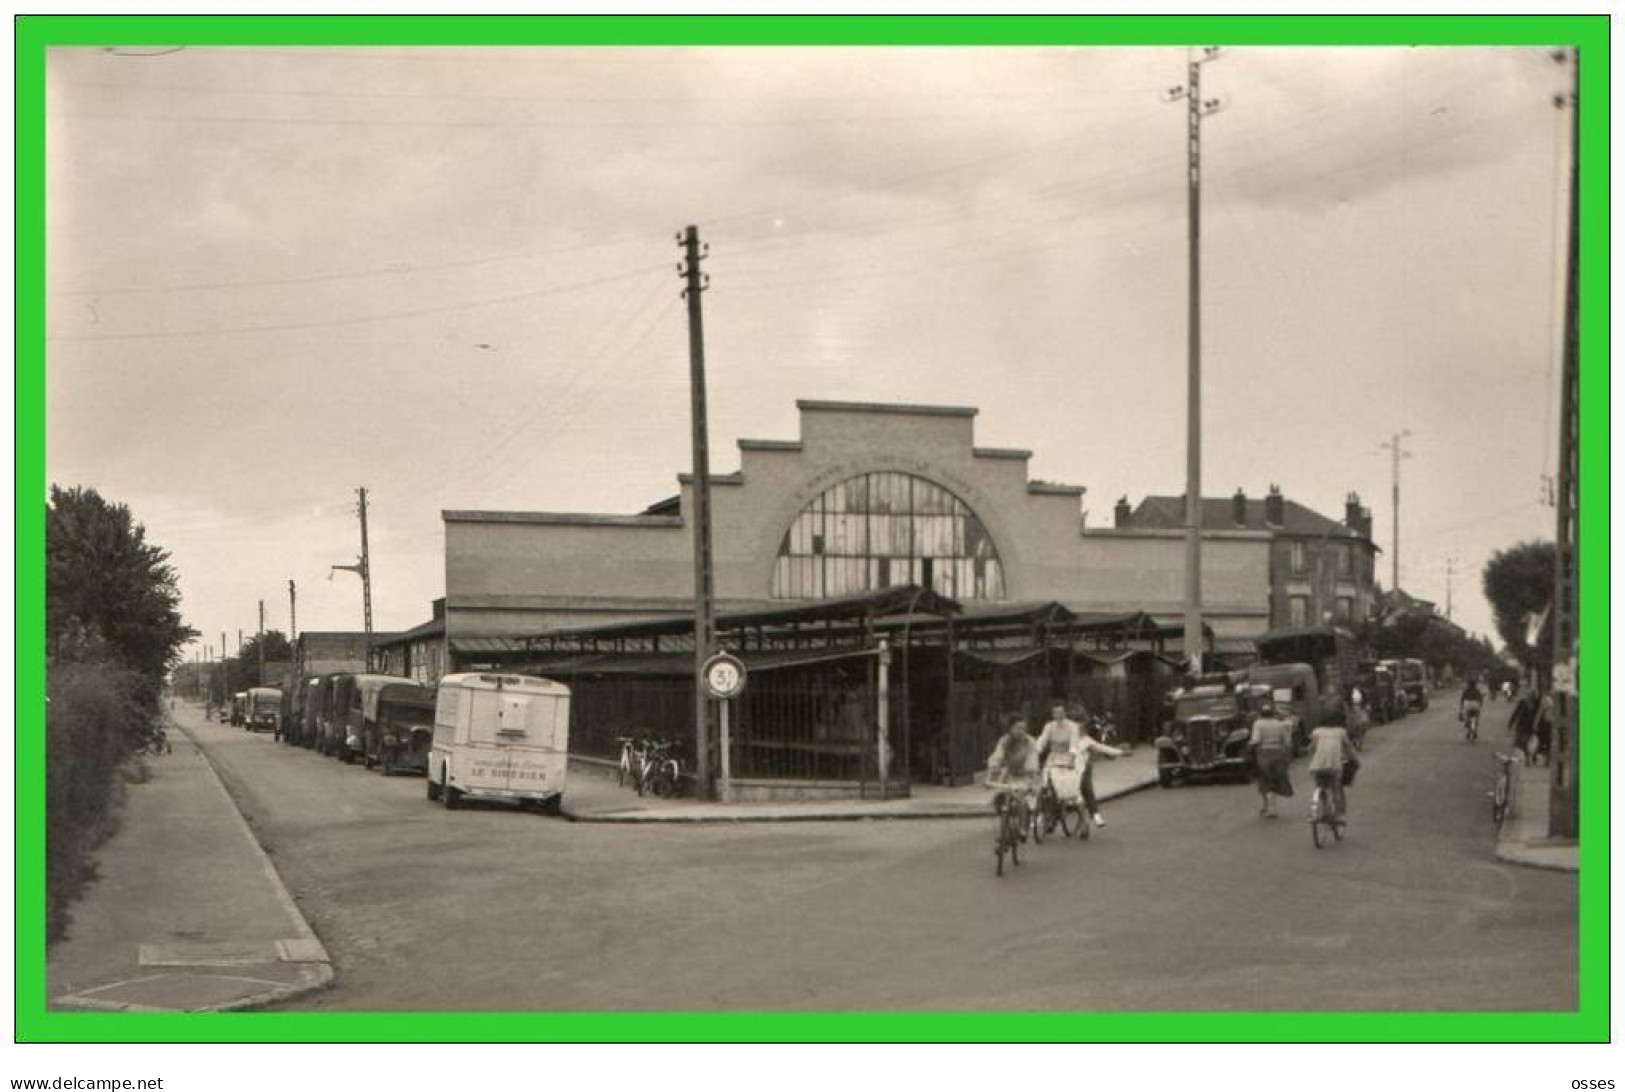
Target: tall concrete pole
[{"x": 1196, "y": 108}]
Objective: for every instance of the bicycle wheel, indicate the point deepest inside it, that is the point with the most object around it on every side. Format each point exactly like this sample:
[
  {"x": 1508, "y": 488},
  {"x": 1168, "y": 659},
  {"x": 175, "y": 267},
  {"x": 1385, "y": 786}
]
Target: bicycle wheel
[
  {"x": 1338, "y": 826},
  {"x": 1040, "y": 820},
  {"x": 1071, "y": 819},
  {"x": 662, "y": 783},
  {"x": 1317, "y": 808}
]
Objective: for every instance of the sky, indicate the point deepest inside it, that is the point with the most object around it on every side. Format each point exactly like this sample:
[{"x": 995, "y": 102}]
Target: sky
[{"x": 450, "y": 276}]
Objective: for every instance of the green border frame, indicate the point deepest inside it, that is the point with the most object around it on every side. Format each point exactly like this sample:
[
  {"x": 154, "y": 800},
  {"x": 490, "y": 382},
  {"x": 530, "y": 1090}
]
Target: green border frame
[{"x": 36, "y": 34}]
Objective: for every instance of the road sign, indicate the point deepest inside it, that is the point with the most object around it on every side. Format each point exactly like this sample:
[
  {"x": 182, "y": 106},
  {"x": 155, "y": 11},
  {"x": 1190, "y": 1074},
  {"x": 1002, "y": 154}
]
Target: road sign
[{"x": 724, "y": 676}]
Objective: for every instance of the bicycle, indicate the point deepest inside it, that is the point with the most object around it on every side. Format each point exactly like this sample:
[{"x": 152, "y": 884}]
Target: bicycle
[
  {"x": 1061, "y": 804},
  {"x": 631, "y": 762},
  {"x": 1014, "y": 819},
  {"x": 1323, "y": 814},
  {"x": 1469, "y": 724},
  {"x": 661, "y": 774},
  {"x": 158, "y": 744},
  {"x": 1501, "y": 795}
]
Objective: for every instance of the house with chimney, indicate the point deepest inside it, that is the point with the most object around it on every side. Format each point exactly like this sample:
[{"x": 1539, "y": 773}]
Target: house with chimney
[{"x": 1320, "y": 569}]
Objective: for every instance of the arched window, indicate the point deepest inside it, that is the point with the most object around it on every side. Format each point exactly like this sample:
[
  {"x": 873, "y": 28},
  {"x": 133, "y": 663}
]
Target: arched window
[{"x": 882, "y": 530}]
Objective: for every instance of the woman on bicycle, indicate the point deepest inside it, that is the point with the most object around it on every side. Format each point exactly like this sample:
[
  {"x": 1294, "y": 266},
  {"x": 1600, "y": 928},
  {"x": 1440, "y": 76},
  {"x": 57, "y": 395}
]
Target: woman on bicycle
[
  {"x": 1064, "y": 734},
  {"x": 1330, "y": 752},
  {"x": 1472, "y": 704}
]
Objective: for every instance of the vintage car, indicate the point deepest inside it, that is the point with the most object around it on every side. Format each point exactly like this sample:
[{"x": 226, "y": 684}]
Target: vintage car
[
  {"x": 1413, "y": 680},
  {"x": 1208, "y": 732},
  {"x": 239, "y": 707},
  {"x": 262, "y": 709},
  {"x": 397, "y": 729},
  {"x": 1381, "y": 689}
]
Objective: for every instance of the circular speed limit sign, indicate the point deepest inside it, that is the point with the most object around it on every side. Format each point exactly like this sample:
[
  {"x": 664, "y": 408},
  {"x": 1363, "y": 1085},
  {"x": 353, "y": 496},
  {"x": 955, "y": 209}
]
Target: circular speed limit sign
[{"x": 724, "y": 676}]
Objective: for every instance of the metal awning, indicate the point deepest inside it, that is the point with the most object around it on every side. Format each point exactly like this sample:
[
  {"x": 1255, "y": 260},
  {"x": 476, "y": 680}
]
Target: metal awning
[
  {"x": 679, "y": 665},
  {"x": 486, "y": 644}
]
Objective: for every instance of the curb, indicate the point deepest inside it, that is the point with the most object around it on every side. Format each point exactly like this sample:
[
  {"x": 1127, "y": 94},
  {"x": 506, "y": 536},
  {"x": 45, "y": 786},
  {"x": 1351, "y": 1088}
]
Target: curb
[
  {"x": 678, "y": 819},
  {"x": 1523, "y": 852},
  {"x": 318, "y": 970}
]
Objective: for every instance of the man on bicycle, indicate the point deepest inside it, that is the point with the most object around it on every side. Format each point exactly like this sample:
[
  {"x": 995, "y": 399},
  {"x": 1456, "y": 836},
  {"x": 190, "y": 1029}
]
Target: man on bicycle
[
  {"x": 1330, "y": 752},
  {"x": 1472, "y": 703}
]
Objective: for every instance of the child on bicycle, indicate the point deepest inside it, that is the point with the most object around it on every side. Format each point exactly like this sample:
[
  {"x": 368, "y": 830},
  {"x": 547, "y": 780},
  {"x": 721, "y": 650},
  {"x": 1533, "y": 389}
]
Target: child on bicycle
[
  {"x": 1014, "y": 761},
  {"x": 1331, "y": 751}
]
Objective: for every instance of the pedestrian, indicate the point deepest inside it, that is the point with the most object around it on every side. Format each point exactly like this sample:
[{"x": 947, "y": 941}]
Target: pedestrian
[
  {"x": 1543, "y": 728},
  {"x": 1522, "y": 723},
  {"x": 1271, "y": 742}
]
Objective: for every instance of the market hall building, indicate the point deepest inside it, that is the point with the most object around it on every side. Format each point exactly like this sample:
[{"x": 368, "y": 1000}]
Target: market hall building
[
  {"x": 870, "y": 496},
  {"x": 879, "y": 523}
]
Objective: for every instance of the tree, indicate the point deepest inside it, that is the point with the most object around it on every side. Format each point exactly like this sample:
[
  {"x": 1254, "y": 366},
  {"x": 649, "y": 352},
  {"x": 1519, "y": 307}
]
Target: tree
[
  {"x": 112, "y": 632},
  {"x": 107, "y": 589},
  {"x": 1519, "y": 582}
]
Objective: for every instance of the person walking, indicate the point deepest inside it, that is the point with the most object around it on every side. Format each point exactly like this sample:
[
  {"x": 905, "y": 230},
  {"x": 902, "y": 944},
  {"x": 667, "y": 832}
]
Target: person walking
[
  {"x": 1271, "y": 742},
  {"x": 1544, "y": 715}
]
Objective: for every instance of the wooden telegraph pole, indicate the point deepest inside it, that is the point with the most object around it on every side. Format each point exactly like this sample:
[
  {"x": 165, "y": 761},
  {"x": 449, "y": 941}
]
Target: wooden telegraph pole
[
  {"x": 1565, "y": 798},
  {"x": 695, "y": 282}
]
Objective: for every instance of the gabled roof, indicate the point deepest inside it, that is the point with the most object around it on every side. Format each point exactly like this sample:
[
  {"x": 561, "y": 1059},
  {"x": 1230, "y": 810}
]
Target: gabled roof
[{"x": 1218, "y": 514}]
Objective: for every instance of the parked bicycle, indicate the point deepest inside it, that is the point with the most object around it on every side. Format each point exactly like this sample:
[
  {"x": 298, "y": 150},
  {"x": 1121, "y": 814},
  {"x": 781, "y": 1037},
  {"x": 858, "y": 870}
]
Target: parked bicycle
[
  {"x": 631, "y": 764},
  {"x": 1501, "y": 794},
  {"x": 662, "y": 772}
]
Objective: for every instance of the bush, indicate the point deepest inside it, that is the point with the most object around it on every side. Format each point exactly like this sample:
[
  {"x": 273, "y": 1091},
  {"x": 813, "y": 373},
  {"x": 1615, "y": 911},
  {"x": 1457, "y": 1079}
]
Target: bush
[{"x": 95, "y": 720}]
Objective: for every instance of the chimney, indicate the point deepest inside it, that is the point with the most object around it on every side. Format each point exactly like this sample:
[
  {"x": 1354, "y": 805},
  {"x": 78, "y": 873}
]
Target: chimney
[
  {"x": 1238, "y": 507},
  {"x": 1356, "y": 518},
  {"x": 1122, "y": 513},
  {"x": 1275, "y": 507}
]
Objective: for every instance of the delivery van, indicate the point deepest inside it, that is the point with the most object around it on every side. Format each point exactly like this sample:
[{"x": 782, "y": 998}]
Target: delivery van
[{"x": 501, "y": 736}]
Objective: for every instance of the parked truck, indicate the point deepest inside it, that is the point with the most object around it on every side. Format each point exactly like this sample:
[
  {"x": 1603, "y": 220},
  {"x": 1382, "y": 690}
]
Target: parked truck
[{"x": 1331, "y": 652}]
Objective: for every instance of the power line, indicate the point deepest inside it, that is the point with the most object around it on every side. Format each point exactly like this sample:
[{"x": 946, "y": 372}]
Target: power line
[{"x": 356, "y": 320}]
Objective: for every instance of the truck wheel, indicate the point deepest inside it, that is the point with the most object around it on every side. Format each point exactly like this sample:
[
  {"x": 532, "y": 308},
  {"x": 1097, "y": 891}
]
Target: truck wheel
[
  {"x": 431, "y": 788},
  {"x": 553, "y": 805},
  {"x": 449, "y": 795},
  {"x": 1165, "y": 777}
]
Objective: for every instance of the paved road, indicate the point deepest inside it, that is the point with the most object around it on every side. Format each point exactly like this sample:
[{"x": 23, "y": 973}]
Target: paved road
[{"x": 1188, "y": 901}]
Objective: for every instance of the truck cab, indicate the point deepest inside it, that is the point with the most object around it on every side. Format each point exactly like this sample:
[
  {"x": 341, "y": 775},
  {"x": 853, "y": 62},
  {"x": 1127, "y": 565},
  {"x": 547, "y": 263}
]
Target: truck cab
[{"x": 1207, "y": 734}]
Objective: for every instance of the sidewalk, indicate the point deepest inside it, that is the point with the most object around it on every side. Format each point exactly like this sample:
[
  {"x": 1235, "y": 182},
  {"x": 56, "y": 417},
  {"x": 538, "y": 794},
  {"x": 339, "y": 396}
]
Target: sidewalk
[
  {"x": 592, "y": 796},
  {"x": 188, "y": 914},
  {"x": 1524, "y": 840}
]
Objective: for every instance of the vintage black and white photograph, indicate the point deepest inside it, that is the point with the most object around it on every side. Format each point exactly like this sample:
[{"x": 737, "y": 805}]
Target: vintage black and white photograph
[{"x": 830, "y": 529}]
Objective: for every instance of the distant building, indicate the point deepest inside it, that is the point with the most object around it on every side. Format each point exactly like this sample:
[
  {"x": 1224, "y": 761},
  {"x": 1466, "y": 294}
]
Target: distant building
[
  {"x": 322, "y": 652},
  {"x": 419, "y": 653},
  {"x": 1319, "y": 569}
]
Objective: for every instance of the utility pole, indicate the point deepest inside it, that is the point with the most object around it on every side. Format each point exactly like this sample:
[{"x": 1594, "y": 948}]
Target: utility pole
[
  {"x": 259, "y": 643},
  {"x": 225, "y": 666},
  {"x": 1196, "y": 108},
  {"x": 1565, "y": 790},
  {"x": 293, "y": 613},
  {"x": 1396, "y": 445},
  {"x": 363, "y": 569},
  {"x": 696, "y": 282},
  {"x": 1449, "y": 587}
]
